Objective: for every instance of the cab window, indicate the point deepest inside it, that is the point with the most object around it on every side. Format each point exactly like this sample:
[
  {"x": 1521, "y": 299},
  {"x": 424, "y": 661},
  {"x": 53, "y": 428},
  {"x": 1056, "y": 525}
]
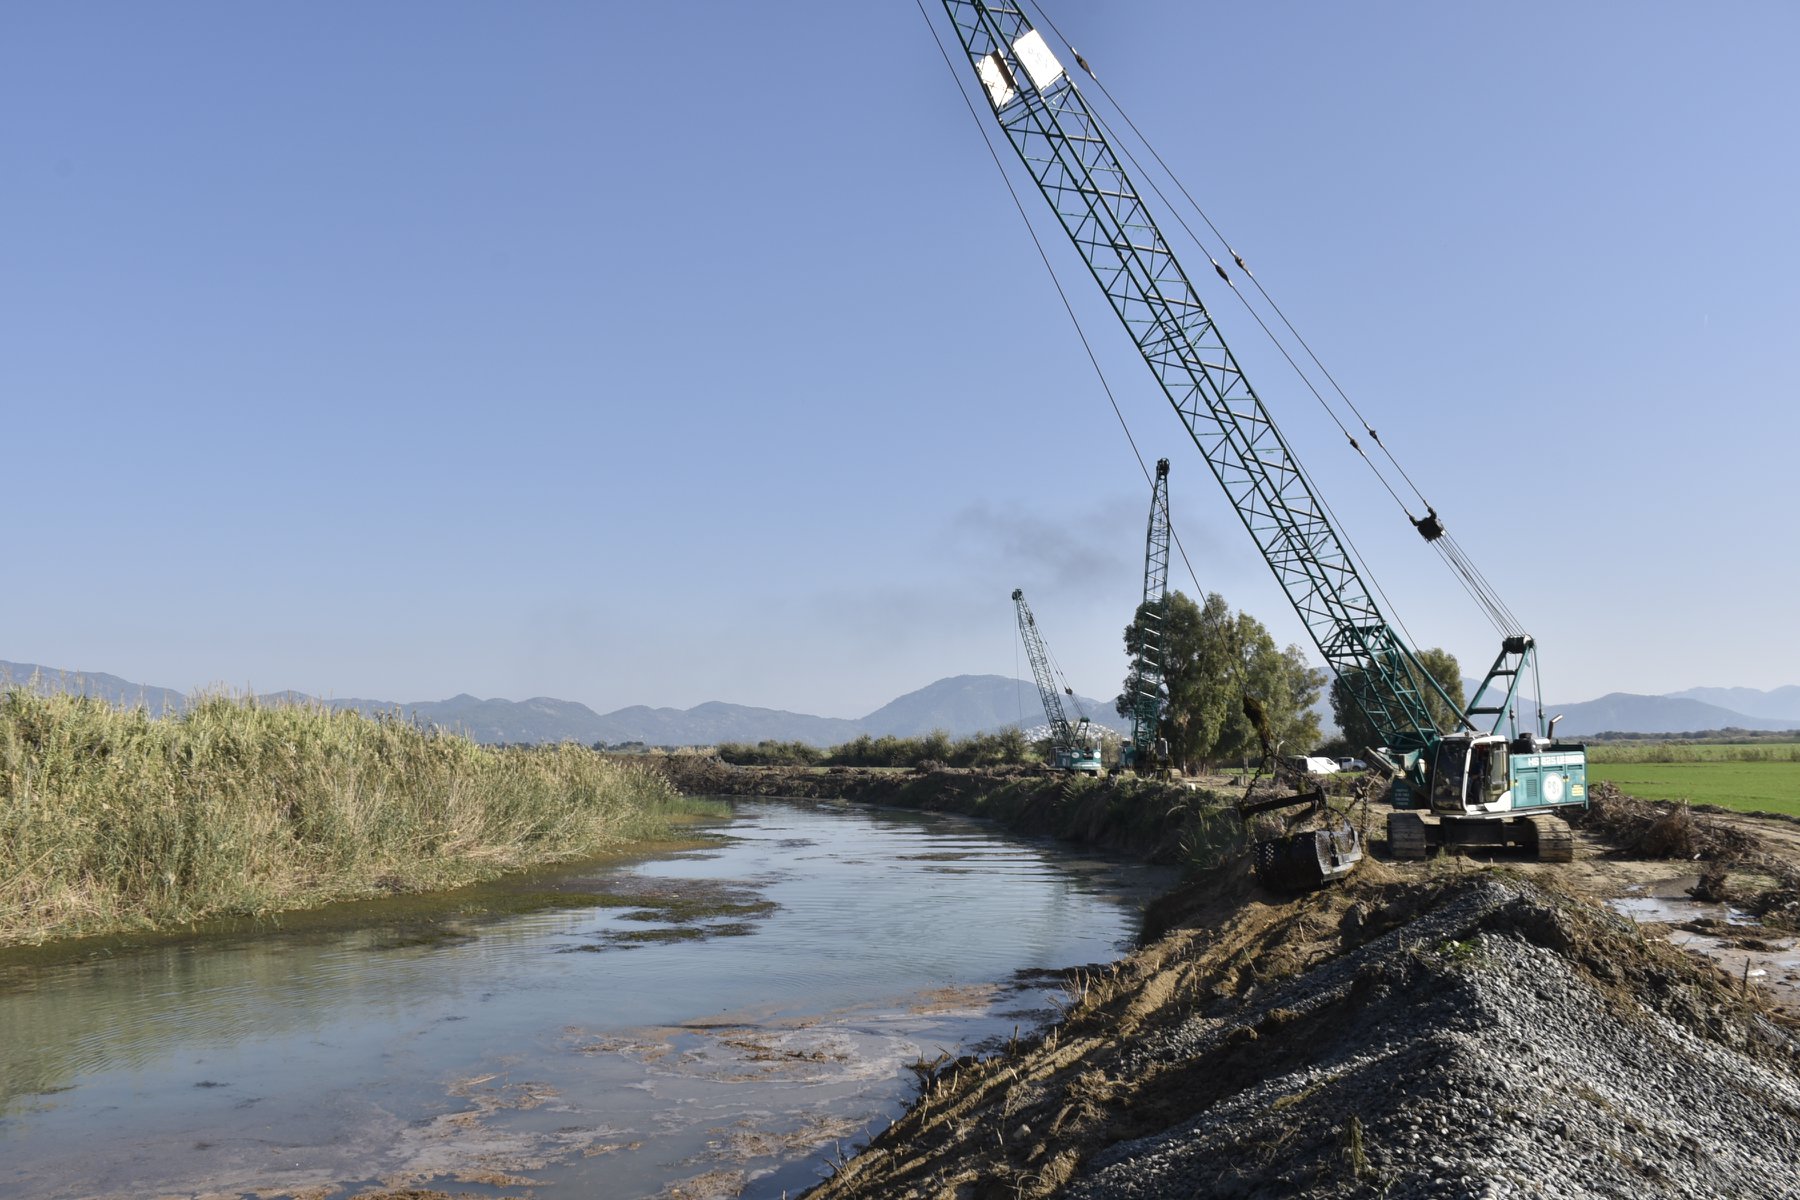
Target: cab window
[{"x": 1447, "y": 776}]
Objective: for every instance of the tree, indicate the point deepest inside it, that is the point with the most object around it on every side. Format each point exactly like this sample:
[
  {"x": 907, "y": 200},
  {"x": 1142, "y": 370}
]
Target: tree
[
  {"x": 1361, "y": 733},
  {"x": 1282, "y": 687},
  {"x": 1212, "y": 659}
]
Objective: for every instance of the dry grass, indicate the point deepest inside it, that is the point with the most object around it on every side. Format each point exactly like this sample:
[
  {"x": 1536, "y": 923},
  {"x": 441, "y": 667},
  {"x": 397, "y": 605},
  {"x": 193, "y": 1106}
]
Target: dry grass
[{"x": 111, "y": 819}]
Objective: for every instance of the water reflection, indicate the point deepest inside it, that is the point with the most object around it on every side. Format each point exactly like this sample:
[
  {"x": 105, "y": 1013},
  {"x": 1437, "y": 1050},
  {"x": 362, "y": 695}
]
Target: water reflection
[{"x": 763, "y": 1006}]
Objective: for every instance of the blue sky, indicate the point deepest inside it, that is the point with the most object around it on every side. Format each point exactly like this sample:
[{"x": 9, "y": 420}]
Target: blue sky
[{"x": 659, "y": 354}]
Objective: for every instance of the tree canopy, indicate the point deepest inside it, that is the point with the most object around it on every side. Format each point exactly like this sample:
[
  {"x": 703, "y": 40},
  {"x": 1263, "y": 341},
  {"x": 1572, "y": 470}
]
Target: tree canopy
[
  {"x": 1361, "y": 733},
  {"x": 1212, "y": 659}
]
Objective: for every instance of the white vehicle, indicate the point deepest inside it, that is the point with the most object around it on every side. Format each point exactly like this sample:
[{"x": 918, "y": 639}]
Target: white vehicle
[{"x": 1312, "y": 765}]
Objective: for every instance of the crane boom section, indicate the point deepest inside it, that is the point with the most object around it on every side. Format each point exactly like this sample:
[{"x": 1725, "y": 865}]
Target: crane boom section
[
  {"x": 1147, "y": 670},
  {"x": 1063, "y": 147},
  {"x": 1061, "y": 732}
]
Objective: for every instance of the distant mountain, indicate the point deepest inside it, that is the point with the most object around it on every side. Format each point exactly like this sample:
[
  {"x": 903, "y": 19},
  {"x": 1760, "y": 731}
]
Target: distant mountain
[
  {"x": 1782, "y": 704},
  {"x": 112, "y": 689},
  {"x": 1624, "y": 712},
  {"x": 1621, "y": 712},
  {"x": 961, "y": 705},
  {"x": 965, "y": 704},
  {"x": 713, "y": 722}
]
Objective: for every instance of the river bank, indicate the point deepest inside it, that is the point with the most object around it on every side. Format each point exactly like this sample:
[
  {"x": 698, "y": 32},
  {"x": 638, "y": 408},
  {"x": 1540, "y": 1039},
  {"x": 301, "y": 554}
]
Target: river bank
[
  {"x": 1161, "y": 822},
  {"x": 1456, "y": 1027}
]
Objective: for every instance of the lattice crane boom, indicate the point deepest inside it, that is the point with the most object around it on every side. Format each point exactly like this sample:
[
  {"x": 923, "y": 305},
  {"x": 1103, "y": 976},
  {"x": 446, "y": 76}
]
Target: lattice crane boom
[
  {"x": 1147, "y": 665},
  {"x": 1063, "y": 147},
  {"x": 1489, "y": 789},
  {"x": 1070, "y": 740}
]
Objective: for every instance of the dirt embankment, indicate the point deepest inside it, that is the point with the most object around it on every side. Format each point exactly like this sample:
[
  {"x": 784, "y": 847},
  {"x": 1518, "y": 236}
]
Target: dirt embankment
[
  {"x": 1156, "y": 821},
  {"x": 1448, "y": 1028},
  {"x": 1428, "y": 1033}
]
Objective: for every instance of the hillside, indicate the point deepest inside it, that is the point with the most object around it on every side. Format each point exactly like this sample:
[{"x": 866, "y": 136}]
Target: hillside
[
  {"x": 110, "y": 688},
  {"x": 976, "y": 703},
  {"x": 1781, "y": 704},
  {"x": 1621, "y": 712},
  {"x": 961, "y": 705}
]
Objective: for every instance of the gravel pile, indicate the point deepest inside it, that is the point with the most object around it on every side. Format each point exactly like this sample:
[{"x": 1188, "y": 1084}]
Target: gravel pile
[
  {"x": 1505, "y": 1043},
  {"x": 1430, "y": 1032}
]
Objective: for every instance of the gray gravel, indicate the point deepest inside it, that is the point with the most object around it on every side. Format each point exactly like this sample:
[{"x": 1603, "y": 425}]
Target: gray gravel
[{"x": 1486, "y": 1049}]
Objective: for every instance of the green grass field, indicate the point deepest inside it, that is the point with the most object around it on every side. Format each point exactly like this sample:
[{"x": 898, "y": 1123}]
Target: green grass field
[
  {"x": 1693, "y": 752},
  {"x": 1767, "y": 786}
]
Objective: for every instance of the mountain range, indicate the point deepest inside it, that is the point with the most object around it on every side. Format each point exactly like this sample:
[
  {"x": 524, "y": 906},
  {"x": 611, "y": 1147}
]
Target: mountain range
[{"x": 961, "y": 705}]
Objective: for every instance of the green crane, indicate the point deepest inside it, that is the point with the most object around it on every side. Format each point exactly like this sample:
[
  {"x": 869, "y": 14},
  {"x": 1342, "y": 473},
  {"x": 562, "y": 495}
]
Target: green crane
[
  {"x": 1146, "y": 683},
  {"x": 1484, "y": 787},
  {"x": 1072, "y": 744}
]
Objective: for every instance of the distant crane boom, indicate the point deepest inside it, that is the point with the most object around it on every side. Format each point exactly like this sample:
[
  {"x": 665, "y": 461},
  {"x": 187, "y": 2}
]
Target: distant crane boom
[
  {"x": 1071, "y": 744},
  {"x": 1147, "y": 667}
]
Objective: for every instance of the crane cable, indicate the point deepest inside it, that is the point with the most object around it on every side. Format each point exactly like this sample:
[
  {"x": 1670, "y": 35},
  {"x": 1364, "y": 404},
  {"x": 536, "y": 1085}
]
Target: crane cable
[
  {"x": 1350, "y": 546},
  {"x": 1044, "y": 256},
  {"x": 1468, "y": 575}
]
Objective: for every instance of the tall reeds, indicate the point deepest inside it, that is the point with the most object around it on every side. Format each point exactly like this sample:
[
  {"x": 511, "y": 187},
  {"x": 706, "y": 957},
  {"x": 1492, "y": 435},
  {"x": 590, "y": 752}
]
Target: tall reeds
[{"x": 111, "y": 819}]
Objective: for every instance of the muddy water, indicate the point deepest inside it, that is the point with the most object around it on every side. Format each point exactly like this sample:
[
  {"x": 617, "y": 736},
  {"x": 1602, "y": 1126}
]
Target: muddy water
[
  {"x": 1733, "y": 939},
  {"x": 720, "y": 1022}
]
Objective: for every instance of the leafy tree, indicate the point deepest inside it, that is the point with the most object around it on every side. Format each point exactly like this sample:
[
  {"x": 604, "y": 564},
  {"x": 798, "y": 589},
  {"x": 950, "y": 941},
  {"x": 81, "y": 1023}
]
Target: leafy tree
[
  {"x": 1280, "y": 686},
  {"x": 1361, "y": 733},
  {"x": 1005, "y": 747},
  {"x": 1214, "y": 658},
  {"x": 769, "y": 753}
]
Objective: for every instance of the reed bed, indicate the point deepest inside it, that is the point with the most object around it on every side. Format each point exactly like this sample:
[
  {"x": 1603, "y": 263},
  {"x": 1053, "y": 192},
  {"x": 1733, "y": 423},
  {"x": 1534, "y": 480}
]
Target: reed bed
[{"x": 111, "y": 819}]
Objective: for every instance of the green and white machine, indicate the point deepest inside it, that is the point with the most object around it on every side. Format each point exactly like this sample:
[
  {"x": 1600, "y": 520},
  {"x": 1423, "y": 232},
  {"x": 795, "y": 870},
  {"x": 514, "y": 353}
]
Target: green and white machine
[
  {"x": 1073, "y": 745},
  {"x": 1467, "y": 785}
]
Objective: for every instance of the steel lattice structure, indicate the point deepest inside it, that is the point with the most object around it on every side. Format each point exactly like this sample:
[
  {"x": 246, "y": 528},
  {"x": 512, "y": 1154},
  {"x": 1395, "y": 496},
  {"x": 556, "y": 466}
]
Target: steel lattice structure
[
  {"x": 1062, "y": 734},
  {"x": 1147, "y": 669},
  {"x": 1064, "y": 149}
]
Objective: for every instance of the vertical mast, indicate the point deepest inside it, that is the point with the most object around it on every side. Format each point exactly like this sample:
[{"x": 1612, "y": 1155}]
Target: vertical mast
[{"x": 1147, "y": 670}]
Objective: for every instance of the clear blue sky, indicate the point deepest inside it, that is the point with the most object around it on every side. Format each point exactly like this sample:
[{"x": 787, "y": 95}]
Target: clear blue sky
[{"x": 655, "y": 353}]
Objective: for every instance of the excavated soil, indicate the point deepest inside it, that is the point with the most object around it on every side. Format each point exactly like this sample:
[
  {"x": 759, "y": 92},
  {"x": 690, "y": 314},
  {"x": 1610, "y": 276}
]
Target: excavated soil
[{"x": 1456, "y": 1027}]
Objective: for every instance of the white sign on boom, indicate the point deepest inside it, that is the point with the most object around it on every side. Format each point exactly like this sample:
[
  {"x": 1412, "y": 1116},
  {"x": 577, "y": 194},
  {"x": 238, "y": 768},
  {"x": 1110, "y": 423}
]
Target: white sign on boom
[
  {"x": 997, "y": 80},
  {"x": 1034, "y": 55}
]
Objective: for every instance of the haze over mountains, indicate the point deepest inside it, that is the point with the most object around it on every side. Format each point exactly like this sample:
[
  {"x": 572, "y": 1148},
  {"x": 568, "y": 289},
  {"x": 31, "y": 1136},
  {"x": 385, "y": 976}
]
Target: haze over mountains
[{"x": 961, "y": 705}]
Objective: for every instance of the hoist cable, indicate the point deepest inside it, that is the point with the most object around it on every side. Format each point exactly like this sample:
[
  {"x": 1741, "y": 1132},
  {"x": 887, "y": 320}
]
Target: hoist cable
[
  {"x": 1080, "y": 332},
  {"x": 1235, "y": 257},
  {"x": 1035, "y": 240},
  {"x": 1068, "y": 307},
  {"x": 1483, "y": 592},
  {"x": 1093, "y": 359}
]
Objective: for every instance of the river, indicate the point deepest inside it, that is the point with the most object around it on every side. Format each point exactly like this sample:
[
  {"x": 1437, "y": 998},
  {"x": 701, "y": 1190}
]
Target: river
[{"x": 719, "y": 1022}]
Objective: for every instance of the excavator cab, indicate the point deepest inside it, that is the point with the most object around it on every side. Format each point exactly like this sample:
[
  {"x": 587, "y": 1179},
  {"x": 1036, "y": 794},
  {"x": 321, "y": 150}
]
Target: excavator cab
[{"x": 1469, "y": 773}]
